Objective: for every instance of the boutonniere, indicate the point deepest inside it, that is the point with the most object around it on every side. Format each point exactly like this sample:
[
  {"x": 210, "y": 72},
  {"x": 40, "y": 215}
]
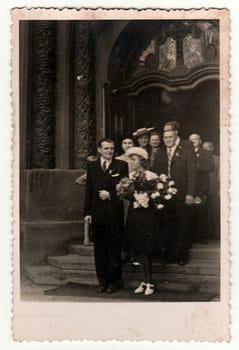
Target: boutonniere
[{"x": 177, "y": 154}]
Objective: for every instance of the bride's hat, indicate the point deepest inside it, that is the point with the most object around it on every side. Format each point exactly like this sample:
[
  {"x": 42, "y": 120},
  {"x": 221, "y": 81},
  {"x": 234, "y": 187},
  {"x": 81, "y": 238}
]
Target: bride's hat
[
  {"x": 137, "y": 151},
  {"x": 142, "y": 131}
]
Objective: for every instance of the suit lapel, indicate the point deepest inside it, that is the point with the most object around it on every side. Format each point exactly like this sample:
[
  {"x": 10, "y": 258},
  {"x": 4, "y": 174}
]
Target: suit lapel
[
  {"x": 112, "y": 164},
  {"x": 164, "y": 155},
  {"x": 176, "y": 153},
  {"x": 98, "y": 166}
]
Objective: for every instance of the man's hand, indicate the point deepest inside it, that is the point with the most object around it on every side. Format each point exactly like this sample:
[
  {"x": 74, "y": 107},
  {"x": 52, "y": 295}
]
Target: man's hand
[
  {"x": 104, "y": 195},
  {"x": 88, "y": 219},
  {"x": 189, "y": 200}
]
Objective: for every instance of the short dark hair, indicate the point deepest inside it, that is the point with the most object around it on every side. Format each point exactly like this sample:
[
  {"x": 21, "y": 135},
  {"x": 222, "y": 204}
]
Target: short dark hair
[
  {"x": 155, "y": 133},
  {"x": 127, "y": 137},
  {"x": 174, "y": 124},
  {"x": 105, "y": 139}
]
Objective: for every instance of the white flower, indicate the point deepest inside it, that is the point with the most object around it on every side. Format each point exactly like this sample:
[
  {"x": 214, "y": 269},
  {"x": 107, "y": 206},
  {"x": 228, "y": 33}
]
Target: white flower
[
  {"x": 160, "y": 206},
  {"x": 171, "y": 183},
  {"x": 172, "y": 190},
  {"x": 150, "y": 175},
  {"x": 160, "y": 186},
  {"x": 155, "y": 195},
  {"x": 168, "y": 196},
  {"x": 163, "y": 177},
  {"x": 197, "y": 200}
]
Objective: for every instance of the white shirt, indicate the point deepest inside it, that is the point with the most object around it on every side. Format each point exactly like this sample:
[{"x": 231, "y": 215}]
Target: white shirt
[
  {"x": 173, "y": 149},
  {"x": 106, "y": 161}
]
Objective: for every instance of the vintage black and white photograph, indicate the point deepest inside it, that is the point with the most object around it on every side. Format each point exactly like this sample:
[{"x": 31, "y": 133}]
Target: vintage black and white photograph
[
  {"x": 119, "y": 160},
  {"x": 120, "y": 174}
]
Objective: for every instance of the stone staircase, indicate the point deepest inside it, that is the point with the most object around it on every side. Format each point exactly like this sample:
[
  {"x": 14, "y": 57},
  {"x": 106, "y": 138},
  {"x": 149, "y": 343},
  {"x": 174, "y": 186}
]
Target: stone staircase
[{"x": 201, "y": 274}]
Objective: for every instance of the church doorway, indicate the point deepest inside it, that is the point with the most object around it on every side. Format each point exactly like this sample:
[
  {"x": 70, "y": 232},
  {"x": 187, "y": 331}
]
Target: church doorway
[{"x": 164, "y": 70}]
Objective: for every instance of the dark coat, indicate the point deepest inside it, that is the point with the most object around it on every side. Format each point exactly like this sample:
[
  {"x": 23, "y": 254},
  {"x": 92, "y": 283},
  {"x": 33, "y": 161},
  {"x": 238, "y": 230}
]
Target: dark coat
[
  {"x": 104, "y": 212},
  {"x": 185, "y": 144},
  {"x": 204, "y": 165},
  {"x": 183, "y": 170}
]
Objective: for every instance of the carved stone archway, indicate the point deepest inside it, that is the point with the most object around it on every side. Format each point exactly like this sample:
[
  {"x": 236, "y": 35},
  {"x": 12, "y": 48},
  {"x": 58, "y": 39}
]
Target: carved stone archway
[{"x": 168, "y": 56}]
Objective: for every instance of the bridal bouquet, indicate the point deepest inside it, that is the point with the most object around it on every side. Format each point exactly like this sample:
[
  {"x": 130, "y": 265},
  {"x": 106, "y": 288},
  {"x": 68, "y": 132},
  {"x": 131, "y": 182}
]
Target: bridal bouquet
[{"x": 145, "y": 188}]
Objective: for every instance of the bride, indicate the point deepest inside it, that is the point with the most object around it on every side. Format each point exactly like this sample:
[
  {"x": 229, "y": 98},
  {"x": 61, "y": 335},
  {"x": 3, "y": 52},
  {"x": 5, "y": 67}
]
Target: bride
[{"x": 142, "y": 221}]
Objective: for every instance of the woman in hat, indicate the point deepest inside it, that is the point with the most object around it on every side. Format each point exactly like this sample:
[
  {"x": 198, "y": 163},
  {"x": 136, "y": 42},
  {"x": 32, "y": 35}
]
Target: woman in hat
[
  {"x": 142, "y": 224},
  {"x": 142, "y": 138}
]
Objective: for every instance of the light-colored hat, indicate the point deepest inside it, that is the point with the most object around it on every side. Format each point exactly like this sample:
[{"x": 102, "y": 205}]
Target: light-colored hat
[
  {"x": 142, "y": 131},
  {"x": 137, "y": 151}
]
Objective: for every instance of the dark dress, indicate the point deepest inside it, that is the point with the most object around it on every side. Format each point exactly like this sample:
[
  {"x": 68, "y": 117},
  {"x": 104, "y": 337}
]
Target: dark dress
[{"x": 142, "y": 233}]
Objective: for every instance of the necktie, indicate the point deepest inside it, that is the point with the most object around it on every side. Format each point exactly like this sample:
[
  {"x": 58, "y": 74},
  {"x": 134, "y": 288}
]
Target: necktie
[
  {"x": 170, "y": 155},
  {"x": 104, "y": 166}
]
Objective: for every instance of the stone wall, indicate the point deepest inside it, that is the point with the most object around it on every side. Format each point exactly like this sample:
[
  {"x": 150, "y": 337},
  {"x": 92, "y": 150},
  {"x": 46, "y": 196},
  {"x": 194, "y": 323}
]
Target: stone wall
[{"x": 52, "y": 213}]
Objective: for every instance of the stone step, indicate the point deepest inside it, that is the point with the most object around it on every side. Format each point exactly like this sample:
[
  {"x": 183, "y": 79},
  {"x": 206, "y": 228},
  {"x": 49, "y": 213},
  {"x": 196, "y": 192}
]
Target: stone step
[
  {"x": 84, "y": 250},
  {"x": 208, "y": 251},
  {"x": 81, "y": 276},
  {"x": 198, "y": 251},
  {"x": 184, "y": 286},
  {"x": 45, "y": 275},
  {"x": 49, "y": 275},
  {"x": 74, "y": 275},
  {"x": 72, "y": 261},
  {"x": 197, "y": 267},
  {"x": 166, "y": 282}
]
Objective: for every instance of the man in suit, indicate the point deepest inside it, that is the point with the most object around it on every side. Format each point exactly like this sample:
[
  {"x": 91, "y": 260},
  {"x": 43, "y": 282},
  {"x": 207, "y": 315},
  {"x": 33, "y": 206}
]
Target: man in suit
[
  {"x": 155, "y": 143},
  {"x": 213, "y": 194},
  {"x": 204, "y": 165},
  {"x": 173, "y": 125},
  {"x": 179, "y": 165},
  {"x": 105, "y": 211}
]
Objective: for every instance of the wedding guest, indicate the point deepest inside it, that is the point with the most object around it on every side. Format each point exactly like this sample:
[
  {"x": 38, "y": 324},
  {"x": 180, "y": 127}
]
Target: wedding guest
[
  {"x": 173, "y": 125},
  {"x": 178, "y": 163},
  {"x": 104, "y": 210},
  {"x": 127, "y": 142},
  {"x": 204, "y": 165},
  {"x": 142, "y": 138},
  {"x": 213, "y": 194},
  {"x": 141, "y": 225},
  {"x": 155, "y": 142}
]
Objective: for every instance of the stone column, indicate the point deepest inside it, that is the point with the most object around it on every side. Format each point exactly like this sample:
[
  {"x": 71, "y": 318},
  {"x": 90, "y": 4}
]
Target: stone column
[
  {"x": 42, "y": 115},
  {"x": 84, "y": 95},
  {"x": 63, "y": 112}
]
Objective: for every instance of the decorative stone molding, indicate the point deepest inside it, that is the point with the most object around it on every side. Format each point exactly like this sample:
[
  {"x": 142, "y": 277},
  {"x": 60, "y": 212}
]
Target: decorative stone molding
[
  {"x": 84, "y": 95},
  {"x": 42, "y": 94}
]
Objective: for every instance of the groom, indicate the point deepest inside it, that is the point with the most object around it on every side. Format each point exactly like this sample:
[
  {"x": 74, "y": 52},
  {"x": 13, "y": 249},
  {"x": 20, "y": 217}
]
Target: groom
[
  {"x": 104, "y": 210},
  {"x": 179, "y": 164}
]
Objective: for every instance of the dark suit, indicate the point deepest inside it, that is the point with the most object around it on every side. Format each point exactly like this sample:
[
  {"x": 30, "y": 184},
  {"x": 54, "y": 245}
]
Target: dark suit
[
  {"x": 176, "y": 214},
  {"x": 214, "y": 200},
  {"x": 107, "y": 218},
  {"x": 204, "y": 165},
  {"x": 185, "y": 144},
  {"x": 153, "y": 155}
]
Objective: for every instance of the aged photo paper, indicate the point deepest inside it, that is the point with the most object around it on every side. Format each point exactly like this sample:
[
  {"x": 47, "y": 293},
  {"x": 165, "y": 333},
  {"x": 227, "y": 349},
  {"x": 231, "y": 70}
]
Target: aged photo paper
[{"x": 120, "y": 174}]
